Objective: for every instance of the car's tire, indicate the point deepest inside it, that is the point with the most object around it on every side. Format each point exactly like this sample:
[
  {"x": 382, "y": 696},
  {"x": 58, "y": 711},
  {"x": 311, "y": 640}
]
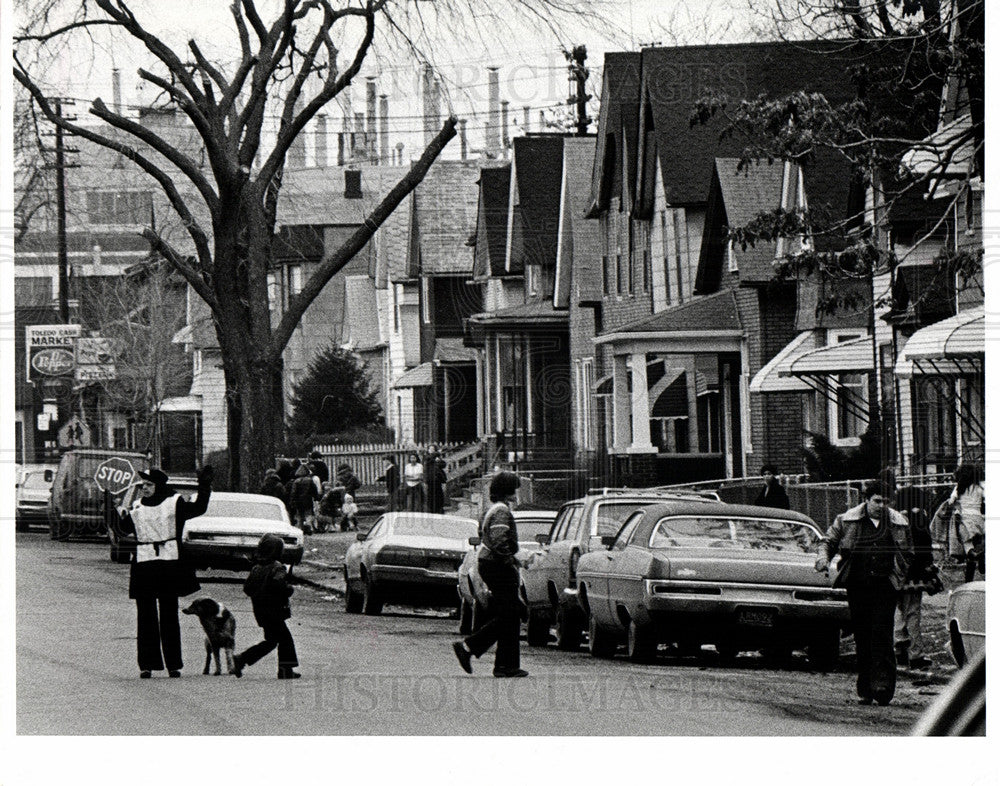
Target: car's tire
[
  {"x": 465, "y": 617},
  {"x": 601, "y": 644},
  {"x": 20, "y": 525},
  {"x": 538, "y": 626},
  {"x": 353, "y": 600},
  {"x": 957, "y": 645},
  {"x": 372, "y": 602},
  {"x": 568, "y": 630},
  {"x": 641, "y": 643},
  {"x": 823, "y": 649},
  {"x": 728, "y": 650}
]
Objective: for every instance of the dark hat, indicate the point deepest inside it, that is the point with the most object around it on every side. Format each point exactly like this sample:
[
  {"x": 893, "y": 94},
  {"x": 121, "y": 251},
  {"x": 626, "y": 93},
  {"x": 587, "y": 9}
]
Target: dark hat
[{"x": 155, "y": 476}]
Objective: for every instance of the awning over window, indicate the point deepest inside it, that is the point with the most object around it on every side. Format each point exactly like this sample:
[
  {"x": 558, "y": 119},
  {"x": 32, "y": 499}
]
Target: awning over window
[
  {"x": 952, "y": 347},
  {"x": 847, "y": 357},
  {"x": 421, "y": 376},
  {"x": 180, "y": 404},
  {"x": 775, "y": 376}
]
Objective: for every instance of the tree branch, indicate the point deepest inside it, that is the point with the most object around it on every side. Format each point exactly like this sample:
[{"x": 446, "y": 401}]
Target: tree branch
[
  {"x": 197, "y": 282},
  {"x": 329, "y": 266}
]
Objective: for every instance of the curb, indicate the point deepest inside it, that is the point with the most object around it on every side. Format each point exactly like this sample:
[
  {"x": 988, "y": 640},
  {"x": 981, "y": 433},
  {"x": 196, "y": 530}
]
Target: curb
[{"x": 316, "y": 583}]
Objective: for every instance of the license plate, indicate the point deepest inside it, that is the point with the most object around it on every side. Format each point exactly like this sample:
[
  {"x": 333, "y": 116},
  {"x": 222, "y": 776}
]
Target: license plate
[
  {"x": 760, "y": 618},
  {"x": 443, "y": 565}
]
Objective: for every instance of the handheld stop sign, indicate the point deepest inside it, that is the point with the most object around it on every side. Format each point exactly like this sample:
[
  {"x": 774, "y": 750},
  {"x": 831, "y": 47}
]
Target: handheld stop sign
[{"x": 115, "y": 474}]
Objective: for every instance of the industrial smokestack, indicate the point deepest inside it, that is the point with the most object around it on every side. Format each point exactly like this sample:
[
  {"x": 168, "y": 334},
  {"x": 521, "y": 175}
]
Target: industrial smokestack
[
  {"x": 427, "y": 87},
  {"x": 370, "y": 134},
  {"x": 399, "y": 152},
  {"x": 462, "y": 139},
  {"x": 505, "y": 125},
  {"x": 493, "y": 118},
  {"x": 116, "y": 90},
  {"x": 321, "y": 140},
  {"x": 358, "y": 143},
  {"x": 383, "y": 131},
  {"x": 436, "y": 108},
  {"x": 527, "y": 119},
  {"x": 340, "y": 149}
]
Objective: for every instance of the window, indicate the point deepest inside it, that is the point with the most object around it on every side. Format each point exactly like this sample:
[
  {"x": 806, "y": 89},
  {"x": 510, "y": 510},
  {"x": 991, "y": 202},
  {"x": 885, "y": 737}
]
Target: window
[
  {"x": 119, "y": 207},
  {"x": 647, "y": 270},
  {"x": 563, "y": 525},
  {"x": 605, "y": 273},
  {"x": 395, "y": 308},
  {"x": 610, "y": 516},
  {"x": 273, "y": 292},
  {"x": 758, "y": 535},
  {"x": 849, "y": 410},
  {"x": 584, "y": 399},
  {"x": 619, "y": 274},
  {"x": 625, "y": 534},
  {"x": 425, "y": 299},
  {"x": 294, "y": 279},
  {"x": 732, "y": 264},
  {"x": 680, "y": 249}
]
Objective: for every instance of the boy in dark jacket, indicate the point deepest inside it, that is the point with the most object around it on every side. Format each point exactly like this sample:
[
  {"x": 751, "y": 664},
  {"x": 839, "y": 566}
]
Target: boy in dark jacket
[{"x": 267, "y": 586}]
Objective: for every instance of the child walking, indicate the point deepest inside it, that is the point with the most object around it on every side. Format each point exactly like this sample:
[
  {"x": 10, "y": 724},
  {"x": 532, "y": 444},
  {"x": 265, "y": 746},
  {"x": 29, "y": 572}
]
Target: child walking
[{"x": 268, "y": 588}]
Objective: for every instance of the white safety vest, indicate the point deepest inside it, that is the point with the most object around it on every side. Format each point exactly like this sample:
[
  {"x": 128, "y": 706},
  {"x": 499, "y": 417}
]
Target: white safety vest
[{"x": 156, "y": 530}]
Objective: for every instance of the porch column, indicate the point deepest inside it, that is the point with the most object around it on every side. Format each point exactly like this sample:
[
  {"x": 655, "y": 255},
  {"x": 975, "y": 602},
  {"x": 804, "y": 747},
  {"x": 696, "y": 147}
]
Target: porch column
[
  {"x": 482, "y": 414},
  {"x": 529, "y": 399},
  {"x": 640, "y": 405},
  {"x": 622, "y": 405},
  {"x": 498, "y": 412}
]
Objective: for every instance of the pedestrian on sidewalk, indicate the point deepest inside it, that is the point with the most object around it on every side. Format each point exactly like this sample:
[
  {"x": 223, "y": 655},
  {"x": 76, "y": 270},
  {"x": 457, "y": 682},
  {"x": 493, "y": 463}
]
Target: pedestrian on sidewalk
[
  {"x": 959, "y": 522},
  {"x": 920, "y": 577},
  {"x": 498, "y": 568},
  {"x": 390, "y": 476},
  {"x": 413, "y": 484},
  {"x": 269, "y": 591},
  {"x": 303, "y": 492},
  {"x": 773, "y": 495},
  {"x": 273, "y": 487},
  {"x": 876, "y": 550},
  {"x": 437, "y": 479},
  {"x": 158, "y": 576}
]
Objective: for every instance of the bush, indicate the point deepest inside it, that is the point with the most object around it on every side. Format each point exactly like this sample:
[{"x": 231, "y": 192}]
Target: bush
[{"x": 826, "y": 461}]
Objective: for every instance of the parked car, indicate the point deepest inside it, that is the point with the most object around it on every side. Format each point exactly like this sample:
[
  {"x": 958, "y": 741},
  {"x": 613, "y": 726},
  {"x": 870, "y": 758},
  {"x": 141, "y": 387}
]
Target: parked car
[
  {"x": 966, "y": 619},
  {"x": 33, "y": 490},
  {"x": 123, "y": 543},
  {"x": 77, "y": 507},
  {"x": 548, "y": 579},
  {"x": 227, "y": 534},
  {"x": 960, "y": 709},
  {"x": 736, "y": 576},
  {"x": 472, "y": 591},
  {"x": 411, "y": 557}
]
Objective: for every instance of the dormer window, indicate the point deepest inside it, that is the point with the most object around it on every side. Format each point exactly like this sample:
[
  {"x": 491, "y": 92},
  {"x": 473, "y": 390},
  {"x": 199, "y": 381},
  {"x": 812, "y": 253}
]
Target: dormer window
[{"x": 731, "y": 257}]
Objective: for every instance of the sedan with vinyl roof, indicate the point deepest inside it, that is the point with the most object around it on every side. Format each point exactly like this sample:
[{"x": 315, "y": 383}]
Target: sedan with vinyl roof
[{"x": 736, "y": 576}]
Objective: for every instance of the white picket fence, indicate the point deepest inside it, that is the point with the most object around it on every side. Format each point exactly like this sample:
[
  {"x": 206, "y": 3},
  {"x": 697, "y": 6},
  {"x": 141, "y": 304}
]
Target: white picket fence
[{"x": 368, "y": 460}]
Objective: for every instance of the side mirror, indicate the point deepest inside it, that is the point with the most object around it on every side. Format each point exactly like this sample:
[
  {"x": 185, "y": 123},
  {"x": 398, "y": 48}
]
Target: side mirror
[
  {"x": 475, "y": 540},
  {"x": 542, "y": 538},
  {"x": 362, "y": 536},
  {"x": 608, "y": 541}
]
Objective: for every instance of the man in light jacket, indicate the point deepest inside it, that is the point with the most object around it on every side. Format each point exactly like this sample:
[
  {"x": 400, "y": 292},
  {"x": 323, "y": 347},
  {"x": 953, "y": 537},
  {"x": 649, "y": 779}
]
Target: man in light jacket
[{"x": 876, "y": 548}]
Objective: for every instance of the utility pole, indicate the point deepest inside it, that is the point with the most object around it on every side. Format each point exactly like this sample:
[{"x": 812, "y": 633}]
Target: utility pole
[
  {"x": 578, "y": 74},
  {"x": 62, "y": 249}
]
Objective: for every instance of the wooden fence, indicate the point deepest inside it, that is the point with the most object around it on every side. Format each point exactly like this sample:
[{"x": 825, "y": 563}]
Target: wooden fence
[{"x": 368, "y": 461}]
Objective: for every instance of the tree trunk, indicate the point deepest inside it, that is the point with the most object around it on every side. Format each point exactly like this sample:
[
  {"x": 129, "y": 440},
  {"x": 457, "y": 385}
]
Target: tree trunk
[{"x": 255, "y": 409}]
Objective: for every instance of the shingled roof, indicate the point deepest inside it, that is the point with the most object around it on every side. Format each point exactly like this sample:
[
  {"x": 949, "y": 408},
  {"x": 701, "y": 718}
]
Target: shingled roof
[
  {"x": 491, "y": 222},
  {"x": 716, "y": 312},
  {"x": 578, "y": 266},
  {"x": 446, "y": 203},
  {"x": 538, "y": 171},
  {"x": 673, "y": 78},
  {"x": 619, "y": 116}
]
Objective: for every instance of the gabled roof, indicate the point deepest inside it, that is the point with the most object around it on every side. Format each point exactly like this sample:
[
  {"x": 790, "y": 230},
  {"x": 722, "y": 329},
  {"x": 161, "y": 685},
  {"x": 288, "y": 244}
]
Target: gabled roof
[
  {"x": 716, "y": 312},
  {"x": 619, "y": 117},
  {"x": 446, "y": 202},
  {"x": 578, "y": 262},
  {"x": 491, "y": 222},
  {"x": 673, "y": 78},
  {"x": 315, "y": 195},
  {"x": 538, "y": 171}
]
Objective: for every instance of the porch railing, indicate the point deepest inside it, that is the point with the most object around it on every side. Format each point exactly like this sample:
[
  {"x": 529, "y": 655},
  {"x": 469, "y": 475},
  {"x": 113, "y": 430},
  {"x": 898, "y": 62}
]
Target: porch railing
[{"x": 368, "y": 460}]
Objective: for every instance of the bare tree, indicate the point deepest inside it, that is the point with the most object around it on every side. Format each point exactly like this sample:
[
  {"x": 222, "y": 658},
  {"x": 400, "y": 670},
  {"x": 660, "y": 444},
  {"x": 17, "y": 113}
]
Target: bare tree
[{"x": 291, "y": 67}]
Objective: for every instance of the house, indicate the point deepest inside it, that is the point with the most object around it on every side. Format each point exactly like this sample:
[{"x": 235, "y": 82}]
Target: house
[
  {"x": 525, "y": 378},
  {"x": 679, "y": 336}
]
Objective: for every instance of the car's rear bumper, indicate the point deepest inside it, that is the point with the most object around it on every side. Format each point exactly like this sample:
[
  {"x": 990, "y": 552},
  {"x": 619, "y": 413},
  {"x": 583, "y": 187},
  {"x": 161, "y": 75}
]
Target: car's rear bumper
[
  {"x": 33, "y": 513},
  {"x": 406, "y": 574},
  {"x": 229, "y": 556},
  {"x": 417, "y": 586}
]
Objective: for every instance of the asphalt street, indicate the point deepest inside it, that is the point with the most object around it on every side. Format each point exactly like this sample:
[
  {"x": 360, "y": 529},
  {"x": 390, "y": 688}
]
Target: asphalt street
[{"x": 388, "y": 675}]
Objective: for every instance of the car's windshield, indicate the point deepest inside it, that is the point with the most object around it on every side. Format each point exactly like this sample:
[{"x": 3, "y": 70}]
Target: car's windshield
[
  {"x": 243, "y": 509},
  {"x": 435, "y": 526},
  {"x": 610, "y": 516},
  {"x": 734, "y": 533}
]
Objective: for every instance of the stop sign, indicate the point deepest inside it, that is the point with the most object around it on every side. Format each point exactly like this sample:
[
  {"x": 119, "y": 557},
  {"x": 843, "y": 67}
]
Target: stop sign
[{"x": 114, "y": 475}]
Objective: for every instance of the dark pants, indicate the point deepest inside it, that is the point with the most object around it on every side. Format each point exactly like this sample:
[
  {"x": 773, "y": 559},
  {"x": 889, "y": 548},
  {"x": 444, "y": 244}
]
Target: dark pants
[
  {"x": 873, "y": 607},
  {"x": 154, "y": 631},
  {"x": 503, "y": 626},
  {"x": 276, "y": 634}
]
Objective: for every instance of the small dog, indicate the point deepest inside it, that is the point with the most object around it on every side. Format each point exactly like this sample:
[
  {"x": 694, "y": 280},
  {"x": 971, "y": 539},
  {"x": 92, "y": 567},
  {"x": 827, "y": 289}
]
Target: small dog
[{"x": 220, "y": 632}]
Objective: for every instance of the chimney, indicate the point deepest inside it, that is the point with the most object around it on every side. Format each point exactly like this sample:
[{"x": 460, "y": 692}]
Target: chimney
[
  {"x": 436, "y": 108},
  {"x": 427, "y": 86},
  {"x": 399, "y": 152},
  {"x": 383, "y": 129},
  {"x": 116, "y": 90},
  {"x": 321, "y": 140},
  {"x": 541, "y": 119},
  {"x": 370, "y": 136},
  {"x": 358, "y": 145},
  {"x": 493, "y": 118},
  {"x": 340, "y": 149},
  {"x": 505, "y": 125},
  {"x": 462, "y": 139},
  {"x": 527, "y": 120}
]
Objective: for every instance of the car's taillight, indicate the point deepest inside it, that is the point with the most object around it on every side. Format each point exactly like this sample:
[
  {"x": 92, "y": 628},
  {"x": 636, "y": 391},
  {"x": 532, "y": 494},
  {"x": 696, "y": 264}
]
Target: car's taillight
[{"x": 574, "y": 558}]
